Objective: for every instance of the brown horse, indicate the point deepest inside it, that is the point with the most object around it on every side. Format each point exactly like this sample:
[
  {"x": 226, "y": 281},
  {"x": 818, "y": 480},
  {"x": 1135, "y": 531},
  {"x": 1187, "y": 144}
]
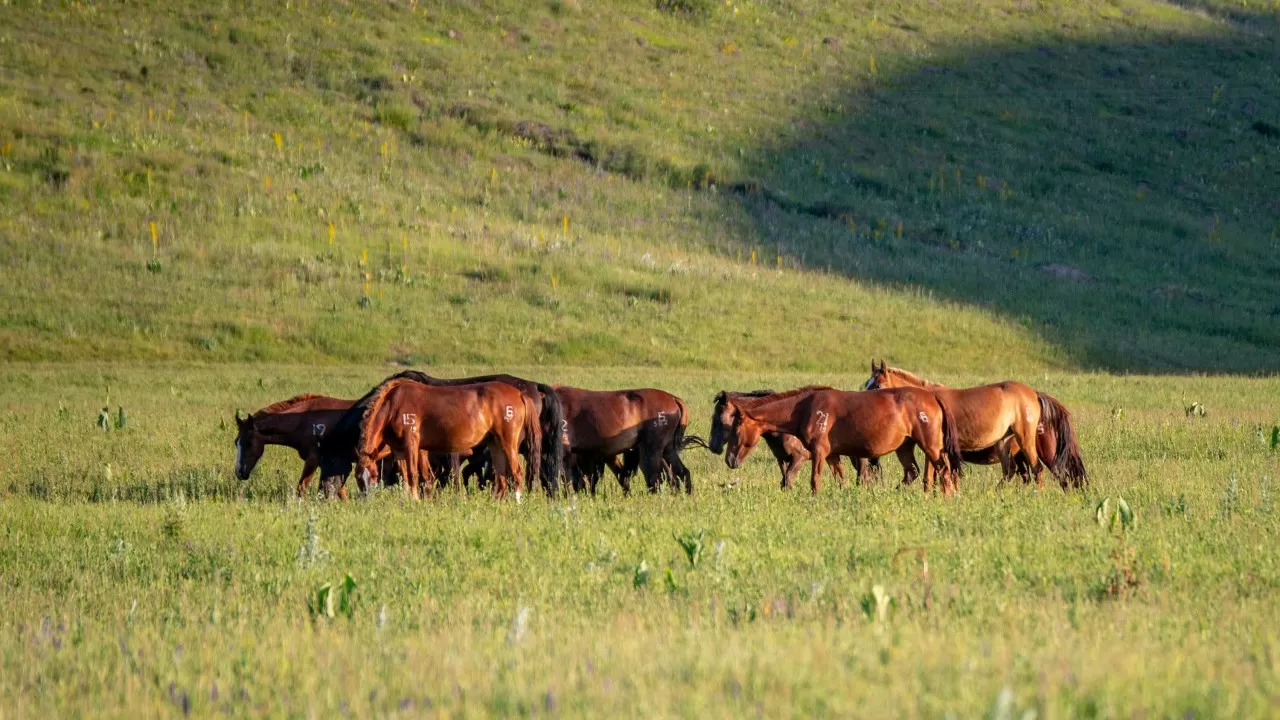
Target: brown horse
[
  {"x": 542, "y": 449},
  {"x": 413, "y": 419},
  {"x": 299, "y": 423},
  {"x": 1008, "y": 423},
  {"x": 857, "y": 424},
  {"x": 787, "y": 450},
  {"x": 601, "y": 425}
]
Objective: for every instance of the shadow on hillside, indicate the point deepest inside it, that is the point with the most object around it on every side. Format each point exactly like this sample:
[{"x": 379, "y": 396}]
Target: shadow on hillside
[{"x": 1120, "y": 198}]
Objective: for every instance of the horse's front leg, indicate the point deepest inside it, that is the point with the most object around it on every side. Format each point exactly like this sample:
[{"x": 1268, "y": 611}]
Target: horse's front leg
[{"x": 309, "y": 465}]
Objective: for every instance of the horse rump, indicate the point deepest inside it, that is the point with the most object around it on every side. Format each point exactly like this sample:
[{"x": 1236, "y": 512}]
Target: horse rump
[{"x": 1068, "y": 466}]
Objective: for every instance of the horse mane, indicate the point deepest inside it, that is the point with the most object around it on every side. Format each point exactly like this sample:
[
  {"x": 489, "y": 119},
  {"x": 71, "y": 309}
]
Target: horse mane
[
  {"x": 913, "y": 378},
  {"x": 752, "y": 393},
  {"x": 377, "y": 396},
  {"x": 285, "y": 404}
]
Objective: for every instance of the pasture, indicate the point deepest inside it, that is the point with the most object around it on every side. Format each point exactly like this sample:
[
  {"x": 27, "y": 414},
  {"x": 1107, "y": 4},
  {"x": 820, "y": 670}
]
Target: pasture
[
  {"x": 207, "y": 207},
  {"x": 141, "y": 577}
]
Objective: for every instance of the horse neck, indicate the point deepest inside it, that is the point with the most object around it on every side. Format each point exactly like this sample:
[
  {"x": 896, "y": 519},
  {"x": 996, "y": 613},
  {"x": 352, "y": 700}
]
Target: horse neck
[
  {"x": 277, "y": 428},
  {"x": 371, "y": 429},
  {"x": 774, "y": 415}
]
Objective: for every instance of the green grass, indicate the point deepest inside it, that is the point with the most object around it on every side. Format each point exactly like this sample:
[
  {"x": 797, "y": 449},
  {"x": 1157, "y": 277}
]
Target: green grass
[
  {"x": 1130, "y": 141},
  {"x": 164, "y": 582},
  {"x": 690, "y": 195}
]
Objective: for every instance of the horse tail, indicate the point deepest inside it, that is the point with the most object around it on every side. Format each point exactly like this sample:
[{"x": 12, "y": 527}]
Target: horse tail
[
  {"x": 1068, "y": 465},
  {"x": 693, "y": 441},
  {"x": 950, "y": 442},
  {"x": 531, "y": 450},
  {"x": 552, "y": 424}
]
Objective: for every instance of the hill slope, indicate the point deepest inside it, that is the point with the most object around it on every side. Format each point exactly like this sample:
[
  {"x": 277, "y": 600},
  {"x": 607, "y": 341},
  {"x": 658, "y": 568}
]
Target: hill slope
[{"x": 773, "y": 185}]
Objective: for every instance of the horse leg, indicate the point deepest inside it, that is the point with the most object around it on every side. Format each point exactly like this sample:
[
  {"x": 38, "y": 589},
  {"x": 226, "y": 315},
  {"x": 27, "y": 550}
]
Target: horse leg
[
  {"x": 501, "y": 467},
  {"x": 821, "y": 448},
  {"x": 309, "y": 465},
  {"x": 679, "y": 471},
  {"x": 618, "y": 465},
  {"x": 651, "y": 465},
  {"x": 837, "y": 469},
  {"x": 906, "y": 453}
]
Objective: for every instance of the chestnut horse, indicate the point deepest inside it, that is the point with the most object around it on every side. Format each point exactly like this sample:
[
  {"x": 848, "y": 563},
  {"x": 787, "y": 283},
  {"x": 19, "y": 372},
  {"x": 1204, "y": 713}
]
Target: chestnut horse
[
  {"x": 1001, "y": 422},
  {"x": 413, "y": 419},
  {"x": 299, "y": 423},
  {"x": 857, "y": 424},
  {"x": 542, "y": 449},
  {"x": 600, "y": 425},
  {"x": 788, "y": 451}
]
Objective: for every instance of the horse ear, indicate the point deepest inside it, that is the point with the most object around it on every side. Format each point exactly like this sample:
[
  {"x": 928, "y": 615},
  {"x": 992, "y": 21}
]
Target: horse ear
[
  {"x": 874, "y": 369},
  {"x": 241, "y": 418}
]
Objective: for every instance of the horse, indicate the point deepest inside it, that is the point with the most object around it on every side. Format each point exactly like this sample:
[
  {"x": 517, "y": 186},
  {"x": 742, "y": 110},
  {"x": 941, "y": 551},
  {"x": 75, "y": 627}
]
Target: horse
[
  {"x": 413, "y": 419},
  {"x": 787, "y": 450},
  {"x": 299, "y": 423},
  {"x": 1006, "y": 422},
  {"x": 602, "y": 424},
  {"x": 857, "y": 424},
  {"x": 542, "y": 449}
]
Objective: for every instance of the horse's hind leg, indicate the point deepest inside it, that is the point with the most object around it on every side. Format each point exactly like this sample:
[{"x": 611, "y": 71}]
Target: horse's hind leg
[
  {"x": 651, "y": 465},
  {"x": 679, "y": 471},
  {"x": 837, "y": 469}
]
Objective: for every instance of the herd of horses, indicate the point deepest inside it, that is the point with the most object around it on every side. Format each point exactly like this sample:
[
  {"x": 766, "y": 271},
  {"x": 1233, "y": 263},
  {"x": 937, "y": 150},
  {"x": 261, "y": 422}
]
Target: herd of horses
[{"x": 501, "y": 430}]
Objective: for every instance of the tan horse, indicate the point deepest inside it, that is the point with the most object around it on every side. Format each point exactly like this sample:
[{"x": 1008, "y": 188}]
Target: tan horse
[
  {"x": 787, "y": 450},
  {"x": 856, "y": 424},
  {"x": 301, "y": 423},
  {"x": 1006, "y": 422},
  {"x": 413, "y": 419}
]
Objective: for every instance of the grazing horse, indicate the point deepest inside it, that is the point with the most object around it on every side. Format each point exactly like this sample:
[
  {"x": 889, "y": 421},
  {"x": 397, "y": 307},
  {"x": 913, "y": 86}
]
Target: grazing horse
[
  {"x": 600, "y": 425},
  {"x": 788, "y": 451},
  {"x": 542, "y": 449},
  {"x": 299, "y": 423},
  {"x": 413, "y": 419},
  {"x": 1007, "y": 422},
  {"x": 857, "y": 424}
]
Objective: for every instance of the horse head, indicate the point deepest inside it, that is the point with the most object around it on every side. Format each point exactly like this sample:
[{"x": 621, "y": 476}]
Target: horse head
[
  {"x": 743, "y": 434},
  {"x": 721, "y": 418},
  {"x": 249, "y": 445},
  {"x": 879, "y": 376}
]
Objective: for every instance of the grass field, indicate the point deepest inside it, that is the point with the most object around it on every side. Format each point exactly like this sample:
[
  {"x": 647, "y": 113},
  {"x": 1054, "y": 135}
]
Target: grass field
[
  {"x": 211, "y": 206},
  {"x": 142, "y": 578}
]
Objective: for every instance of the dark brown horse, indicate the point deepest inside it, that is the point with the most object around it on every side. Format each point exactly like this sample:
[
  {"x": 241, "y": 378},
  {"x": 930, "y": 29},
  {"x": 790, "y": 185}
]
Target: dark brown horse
[
  {"x": 998, "y": 423},
  {"x": 787, "y": 450},
  {"x": 601, "y": 425},
  {"x": 300, "y": 422},
  {"x": 413, "y": 419},
  {"x": 541, "y": 448},
  {"x": 857, "y": 424}
]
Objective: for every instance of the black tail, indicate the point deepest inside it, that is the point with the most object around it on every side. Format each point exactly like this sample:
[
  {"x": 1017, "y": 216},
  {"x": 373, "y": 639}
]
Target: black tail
[
  {"x": 950, "y": 443},
  {"x": 1068, "y": 465},
  {"x": 691, "y": 441},
  {"x": 552, "y": 448}
]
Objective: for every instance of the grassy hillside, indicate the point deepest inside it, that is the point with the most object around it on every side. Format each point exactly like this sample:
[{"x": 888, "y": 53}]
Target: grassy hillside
[{"x": 690, "y": 183}]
